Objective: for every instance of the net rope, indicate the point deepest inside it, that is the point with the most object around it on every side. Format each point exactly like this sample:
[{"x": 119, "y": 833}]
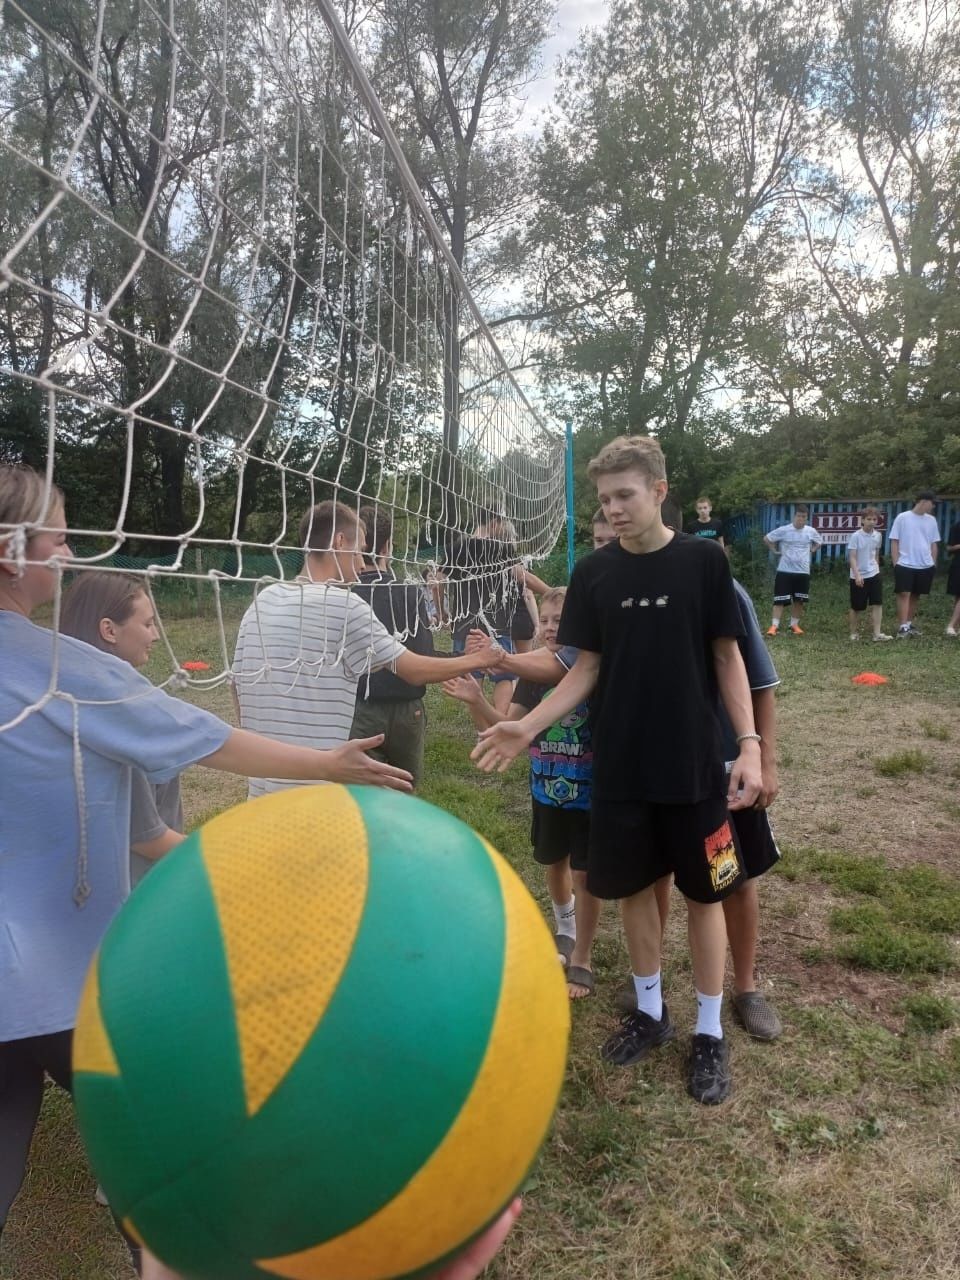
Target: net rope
[{"x": 226, "y": 300}]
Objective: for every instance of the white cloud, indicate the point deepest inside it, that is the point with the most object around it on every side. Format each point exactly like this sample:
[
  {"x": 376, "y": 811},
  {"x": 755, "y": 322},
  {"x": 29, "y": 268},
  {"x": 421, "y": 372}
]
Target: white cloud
[{"x": 570, "y": 19}]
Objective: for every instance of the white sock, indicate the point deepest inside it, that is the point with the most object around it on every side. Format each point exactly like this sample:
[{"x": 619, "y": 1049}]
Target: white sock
[
  {"x": 774, "y": 622},
  {"x": 794, "y": 622},
  {"x": 566, "y": 918},
  {"x": 904, "y": 626},
  {"x": 708, "y": 1015},
  {"x": 649, "y": 995}
]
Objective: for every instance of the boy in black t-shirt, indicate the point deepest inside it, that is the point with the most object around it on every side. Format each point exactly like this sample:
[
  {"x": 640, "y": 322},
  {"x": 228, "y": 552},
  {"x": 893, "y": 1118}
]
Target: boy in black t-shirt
[
  {"x": 656, "y": 621},
  {"x": 704, "y": 526}
]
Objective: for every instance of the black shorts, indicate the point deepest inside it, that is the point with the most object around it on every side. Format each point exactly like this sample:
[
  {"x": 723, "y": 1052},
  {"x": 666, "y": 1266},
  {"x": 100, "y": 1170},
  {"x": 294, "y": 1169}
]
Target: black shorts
[
  {"x": 521, "y": 624},
  {"x": 634, "y": 843},
  {"x": 915, "y": 581},
  {"x": 790, "y": 586},
  {"x": 870, "y": 593},
  {"x": 758, "y": 848},
  {"x": 560, "y": 833}
]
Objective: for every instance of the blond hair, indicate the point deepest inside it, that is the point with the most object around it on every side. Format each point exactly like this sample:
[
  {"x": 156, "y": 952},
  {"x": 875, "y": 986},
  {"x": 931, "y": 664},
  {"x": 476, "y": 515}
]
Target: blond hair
[
  {"x": 24, "y": 498},
  {"x": 555, "y": 593},
  {"x": 630, "y": 453}
]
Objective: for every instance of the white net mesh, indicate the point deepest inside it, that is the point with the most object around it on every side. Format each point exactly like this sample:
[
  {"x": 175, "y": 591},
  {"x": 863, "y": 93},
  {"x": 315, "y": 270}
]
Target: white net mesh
[{"x": 224, "y": 300}]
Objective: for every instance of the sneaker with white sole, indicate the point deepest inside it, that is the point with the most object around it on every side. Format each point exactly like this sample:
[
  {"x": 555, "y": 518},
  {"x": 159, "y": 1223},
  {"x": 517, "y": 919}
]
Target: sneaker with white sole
[
  {"x": 881, "y": 636},
  {"x": 950, "y": 631}
]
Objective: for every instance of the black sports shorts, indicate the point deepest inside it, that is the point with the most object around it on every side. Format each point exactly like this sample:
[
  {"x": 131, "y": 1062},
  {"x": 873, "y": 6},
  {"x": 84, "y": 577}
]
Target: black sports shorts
[
  {"x": 634, "y": 843},
  {"x": 790, "y": 586},
  {"x": 915, "y": 581},
  {"x": 870, "y": 593},
  {"x": 560, "y": 833}
]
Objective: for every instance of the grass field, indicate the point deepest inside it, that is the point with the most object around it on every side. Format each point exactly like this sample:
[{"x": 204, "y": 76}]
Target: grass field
[{"x": 837, "y": 1155}]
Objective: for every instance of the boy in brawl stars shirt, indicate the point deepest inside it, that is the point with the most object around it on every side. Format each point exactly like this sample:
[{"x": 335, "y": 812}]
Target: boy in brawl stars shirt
[{"x": 561, "y": 771}]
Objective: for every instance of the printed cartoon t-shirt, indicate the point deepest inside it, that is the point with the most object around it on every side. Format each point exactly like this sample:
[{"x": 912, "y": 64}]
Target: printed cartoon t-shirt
[{"x": 561, "y": 758}]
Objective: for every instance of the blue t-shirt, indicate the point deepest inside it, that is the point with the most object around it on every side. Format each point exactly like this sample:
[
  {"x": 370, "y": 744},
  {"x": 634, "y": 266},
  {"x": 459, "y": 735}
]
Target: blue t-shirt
[
  {"x": 561, "y": 757},
  {"x": 122, "y": 722}
]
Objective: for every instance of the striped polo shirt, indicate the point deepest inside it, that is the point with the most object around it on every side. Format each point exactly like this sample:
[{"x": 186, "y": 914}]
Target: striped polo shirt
[{"x": 301, "y": 648}]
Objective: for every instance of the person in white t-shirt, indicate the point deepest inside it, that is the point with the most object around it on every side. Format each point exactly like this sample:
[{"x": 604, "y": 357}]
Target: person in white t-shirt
[
  {"x": 863, "y": 553},
  {"x": 914, "y": 543},
  {"x": 794, "y": 543},
  {"x": 303, "y": 646}
]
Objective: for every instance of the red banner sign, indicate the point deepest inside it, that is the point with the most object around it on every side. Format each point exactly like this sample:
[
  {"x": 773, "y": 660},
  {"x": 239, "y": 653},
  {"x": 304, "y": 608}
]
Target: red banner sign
[{"x": 837, "y": 526}]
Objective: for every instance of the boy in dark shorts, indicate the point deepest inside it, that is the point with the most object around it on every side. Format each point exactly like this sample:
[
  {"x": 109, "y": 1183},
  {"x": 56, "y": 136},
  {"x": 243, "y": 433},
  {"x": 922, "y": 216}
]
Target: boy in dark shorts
[
  {"x": 755, "y": 840},
  {"x": 655, "y": 620},
  {"x": 863, "y": 553},
  {"x": 560, "y": 782},
  {"x": 794, "y": 543},
  {"x": 914, "y": 543}
]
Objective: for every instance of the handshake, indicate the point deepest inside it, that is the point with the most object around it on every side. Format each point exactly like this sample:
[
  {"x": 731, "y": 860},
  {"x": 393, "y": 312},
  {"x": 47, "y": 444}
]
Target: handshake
[{"x": 486, "y": 652}]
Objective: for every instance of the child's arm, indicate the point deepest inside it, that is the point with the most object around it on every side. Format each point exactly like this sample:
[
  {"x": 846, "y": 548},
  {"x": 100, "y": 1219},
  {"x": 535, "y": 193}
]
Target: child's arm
[
  {"x": 255, "y": 756},
  {"x": 772, "y": 545},
  {"x": 854, "y": 565},
  {"x": 539, "y": 665},
  {"x": 466, "y": 690},
  {"x": 535, "y": 584},
  {"x": 745, "y": 776},
  {"x": 765, "y": 717},
  {"x": 502, "y": 743},
  {"x": 154, "y": 849},
  {"x": 894, "y": 551}
]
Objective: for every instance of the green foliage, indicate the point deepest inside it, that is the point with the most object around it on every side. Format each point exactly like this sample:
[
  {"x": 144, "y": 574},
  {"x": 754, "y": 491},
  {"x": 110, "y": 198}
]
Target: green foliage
[
  {"x": 897, "y": 763},
  {"x": 929, "y": 1014}
]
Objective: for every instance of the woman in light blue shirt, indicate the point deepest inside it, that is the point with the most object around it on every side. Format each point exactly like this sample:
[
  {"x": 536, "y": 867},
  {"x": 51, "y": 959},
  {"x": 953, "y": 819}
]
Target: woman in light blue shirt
[{"x": 74, "y": 724}]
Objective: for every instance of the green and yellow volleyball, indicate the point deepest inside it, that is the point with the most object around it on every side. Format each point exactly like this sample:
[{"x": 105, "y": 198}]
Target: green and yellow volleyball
[{"x": 323, "y": 1040}]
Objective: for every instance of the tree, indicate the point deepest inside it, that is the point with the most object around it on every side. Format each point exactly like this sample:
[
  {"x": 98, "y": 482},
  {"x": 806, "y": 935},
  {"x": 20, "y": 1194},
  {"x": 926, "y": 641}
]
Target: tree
[
  {"x": 451, "y": 72},
  {"x": 666, "y": 178}
]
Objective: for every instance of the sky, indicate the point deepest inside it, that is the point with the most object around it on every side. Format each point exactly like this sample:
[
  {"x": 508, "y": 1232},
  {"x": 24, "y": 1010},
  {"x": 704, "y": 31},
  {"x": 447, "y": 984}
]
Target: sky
[{"x": 571, "y": 17}]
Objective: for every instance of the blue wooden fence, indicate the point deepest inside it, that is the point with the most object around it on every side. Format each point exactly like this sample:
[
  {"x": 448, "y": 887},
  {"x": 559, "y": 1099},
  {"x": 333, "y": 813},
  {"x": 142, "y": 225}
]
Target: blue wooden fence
[{"x": 771, "y": 515}]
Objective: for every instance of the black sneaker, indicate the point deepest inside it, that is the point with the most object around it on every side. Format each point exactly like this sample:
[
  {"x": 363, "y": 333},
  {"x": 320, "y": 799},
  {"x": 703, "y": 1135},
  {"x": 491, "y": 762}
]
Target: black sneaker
[
  {"x": 638, "y": 1034},
  {"x": 709, "y": 1078}
]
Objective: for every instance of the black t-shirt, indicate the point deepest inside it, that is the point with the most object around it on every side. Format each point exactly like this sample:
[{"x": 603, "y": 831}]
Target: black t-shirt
[
  {"x": 711, "y": 529},
  {"x": 482, "y": 585},
  {"x": 953, "y": 538},
  {"x": 652, "y": 619},
  {"x": 401, "y": 608}
]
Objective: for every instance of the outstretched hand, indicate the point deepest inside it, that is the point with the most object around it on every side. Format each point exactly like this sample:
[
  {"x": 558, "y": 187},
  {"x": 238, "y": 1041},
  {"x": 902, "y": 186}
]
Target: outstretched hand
[
  {"x": 476, "y": 639},
  {"x": 463, "y": 688},
  {"x": 467, "y": 1266},
  {"x": 353, "y": 765},
  {"x": 499, "y": 745}
]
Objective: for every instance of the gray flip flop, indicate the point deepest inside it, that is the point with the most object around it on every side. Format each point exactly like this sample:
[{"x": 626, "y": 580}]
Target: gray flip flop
[
  {"x": 564, "y": 944},
  {"x": 582, "y": 977}
]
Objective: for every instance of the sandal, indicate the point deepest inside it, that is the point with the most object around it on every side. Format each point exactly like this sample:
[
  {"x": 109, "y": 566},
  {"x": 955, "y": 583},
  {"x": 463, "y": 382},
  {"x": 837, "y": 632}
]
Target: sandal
[{"x": 580, "y": 977}]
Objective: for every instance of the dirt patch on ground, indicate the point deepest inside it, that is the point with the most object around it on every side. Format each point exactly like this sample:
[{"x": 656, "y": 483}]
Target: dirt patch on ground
[{"x": 832, "y": 795}]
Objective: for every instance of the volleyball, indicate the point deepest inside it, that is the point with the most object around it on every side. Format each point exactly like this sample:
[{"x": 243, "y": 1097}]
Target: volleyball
[{"x": 323, "y": 1040}]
